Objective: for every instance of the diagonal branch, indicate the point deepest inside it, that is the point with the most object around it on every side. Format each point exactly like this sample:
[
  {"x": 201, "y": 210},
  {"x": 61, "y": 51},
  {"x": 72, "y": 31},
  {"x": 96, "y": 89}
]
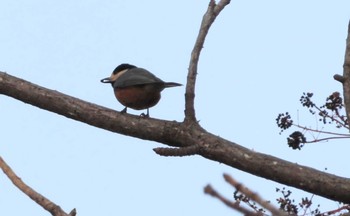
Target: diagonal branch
[
  {"x": 254, "y": 196},
  {"x": 51, "y": 207},
  {"x": 208, "y": 19},
  {"x": 234, "y": 205},
  {"x": 177, "y": 134}
]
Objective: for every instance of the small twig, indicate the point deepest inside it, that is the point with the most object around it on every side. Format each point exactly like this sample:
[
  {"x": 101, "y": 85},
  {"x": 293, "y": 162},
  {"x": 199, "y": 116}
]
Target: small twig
[
  {"x": 318, "y": 131},
  {"x": 234, "y": 205},
  {"x": 208, "y": 19},
  {"x": 332, "y": 118},
  {"x": 305, "y": 209},
  {"x": 73, "y": 212},
  {"x": 328, "y": 138},
  {"x": 184, "y": 151},
  {"x": 344, "y": 207},
  {"x": 48, "y": 205},
  {"x": 336, "y": 135},
  {"x": 254, "y": 196}
]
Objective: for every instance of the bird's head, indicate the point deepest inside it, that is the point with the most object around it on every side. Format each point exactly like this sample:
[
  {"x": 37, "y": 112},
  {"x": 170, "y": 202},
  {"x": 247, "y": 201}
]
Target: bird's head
[{"x": 118, "y": 71}]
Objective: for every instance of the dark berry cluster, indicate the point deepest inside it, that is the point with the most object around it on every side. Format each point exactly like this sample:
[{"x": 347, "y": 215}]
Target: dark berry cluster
[
  {"x": 239, "y": 197},
  {"x": 329, "y": 113},
  {"x": 284, "y": 121},
  {"x": 306, "y": 101},
  {"x": 296, "y": 140},
  {"x": 289, "y": 205},
  {"x": 286, "y": 203},
  {"x": 334, "y": 102}
]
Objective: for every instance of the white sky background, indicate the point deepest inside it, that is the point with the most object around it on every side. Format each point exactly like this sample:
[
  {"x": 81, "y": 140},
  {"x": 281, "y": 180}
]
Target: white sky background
[{"x": 257, "y": 60}]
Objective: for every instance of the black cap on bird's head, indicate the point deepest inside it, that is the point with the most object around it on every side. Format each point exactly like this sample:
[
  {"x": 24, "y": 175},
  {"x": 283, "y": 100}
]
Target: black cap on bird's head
[
  {"x": 122, "y": 67},
  {"x": 117, "y": 72}
]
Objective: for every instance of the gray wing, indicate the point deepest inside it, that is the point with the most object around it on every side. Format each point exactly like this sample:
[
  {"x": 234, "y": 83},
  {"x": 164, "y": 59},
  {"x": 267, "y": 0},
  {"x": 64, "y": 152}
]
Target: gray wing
[{"x": 136, "y": 76}]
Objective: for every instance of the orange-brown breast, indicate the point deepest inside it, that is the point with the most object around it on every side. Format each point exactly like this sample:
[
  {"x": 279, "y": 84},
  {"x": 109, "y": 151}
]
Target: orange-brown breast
[{"x": 138, "y": 97}]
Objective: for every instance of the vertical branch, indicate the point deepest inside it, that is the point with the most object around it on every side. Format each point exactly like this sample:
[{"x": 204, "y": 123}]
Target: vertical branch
[
  {"x": 51, "y": 207},
  {"x": 208, "y": 19},
  {"x": 346, "y": 76}
]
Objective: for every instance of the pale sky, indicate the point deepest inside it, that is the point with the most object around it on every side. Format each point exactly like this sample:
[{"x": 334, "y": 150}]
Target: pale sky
[{"x": 258, "y": 59}]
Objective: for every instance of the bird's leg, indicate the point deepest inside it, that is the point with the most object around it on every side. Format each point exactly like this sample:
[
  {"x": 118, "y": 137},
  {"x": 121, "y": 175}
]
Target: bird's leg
[
  {"x": 145, "y": 115},
  {"x": 124, "y": 110}
]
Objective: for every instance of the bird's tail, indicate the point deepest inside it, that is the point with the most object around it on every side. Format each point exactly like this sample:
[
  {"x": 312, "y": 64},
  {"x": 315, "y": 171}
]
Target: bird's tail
[{"x": 171, "y": 84}]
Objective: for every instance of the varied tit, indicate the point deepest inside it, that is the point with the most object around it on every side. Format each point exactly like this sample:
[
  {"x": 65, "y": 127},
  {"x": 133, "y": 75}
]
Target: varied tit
[{"x": 136, "y": 88}]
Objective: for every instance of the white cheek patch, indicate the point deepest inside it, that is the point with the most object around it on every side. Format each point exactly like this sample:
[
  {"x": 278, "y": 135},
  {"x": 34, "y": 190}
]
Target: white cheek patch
[{"x": 114, "y": 77}]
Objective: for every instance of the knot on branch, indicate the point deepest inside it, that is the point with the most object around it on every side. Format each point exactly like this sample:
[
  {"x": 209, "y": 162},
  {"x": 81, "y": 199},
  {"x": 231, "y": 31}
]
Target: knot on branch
[
  {"x": 339, "y": 78},
  {"x": 179, "y": 152}
]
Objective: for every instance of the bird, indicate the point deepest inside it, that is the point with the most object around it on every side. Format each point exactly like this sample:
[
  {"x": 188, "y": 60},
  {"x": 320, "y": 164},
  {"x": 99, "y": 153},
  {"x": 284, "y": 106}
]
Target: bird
[{"x": 136, "y": 88}]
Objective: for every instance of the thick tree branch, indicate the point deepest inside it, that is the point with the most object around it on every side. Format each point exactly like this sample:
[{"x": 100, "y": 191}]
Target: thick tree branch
[
  {"x": 80, "y": 110},
  {"x": 346, "y": 75},
  {"x": 51, "y": 207},
  {"x": 180, "y": 135},
  {"x": 208, "y": 19}
]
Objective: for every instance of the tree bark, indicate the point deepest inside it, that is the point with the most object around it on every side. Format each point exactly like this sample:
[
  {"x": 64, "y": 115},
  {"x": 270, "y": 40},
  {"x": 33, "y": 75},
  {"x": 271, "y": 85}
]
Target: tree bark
[
  {"x": 180, "y": 134},
  {"x": 346, "y": 76}
]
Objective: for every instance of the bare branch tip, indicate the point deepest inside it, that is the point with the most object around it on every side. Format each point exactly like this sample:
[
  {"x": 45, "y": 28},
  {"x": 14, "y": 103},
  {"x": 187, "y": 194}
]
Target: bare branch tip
[
  {"x": 73, "y": 212},
  {"x": 226, "y": 176},
  {"x": 339, "y": 78},
  {"x": 177, "y": 152},
  {"x": 212, "y": 3},
  {"x": 231, "y": 181},
  {"x": 209, "y": 190}
]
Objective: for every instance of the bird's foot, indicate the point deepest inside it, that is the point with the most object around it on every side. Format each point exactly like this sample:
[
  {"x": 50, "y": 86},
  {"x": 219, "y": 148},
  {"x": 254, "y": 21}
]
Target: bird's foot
[
  {"x": 124, "y": 110},
  {"x": 145, "y": 115}
]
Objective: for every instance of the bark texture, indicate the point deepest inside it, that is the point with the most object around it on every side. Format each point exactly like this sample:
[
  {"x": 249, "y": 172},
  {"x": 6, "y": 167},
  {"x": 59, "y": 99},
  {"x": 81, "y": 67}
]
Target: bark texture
[{"x": 186, "y": 134}]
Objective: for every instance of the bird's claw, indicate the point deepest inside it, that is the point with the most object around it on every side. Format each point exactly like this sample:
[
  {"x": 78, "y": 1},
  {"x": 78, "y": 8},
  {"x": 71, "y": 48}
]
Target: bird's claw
[
  {"x": 124, "y": 110},
  {"x": 144, "y": 115}
]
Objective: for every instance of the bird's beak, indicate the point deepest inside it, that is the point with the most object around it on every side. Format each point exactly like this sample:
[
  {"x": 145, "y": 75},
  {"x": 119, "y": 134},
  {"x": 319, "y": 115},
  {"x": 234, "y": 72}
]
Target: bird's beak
[{"x": 106, "y": 80}]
